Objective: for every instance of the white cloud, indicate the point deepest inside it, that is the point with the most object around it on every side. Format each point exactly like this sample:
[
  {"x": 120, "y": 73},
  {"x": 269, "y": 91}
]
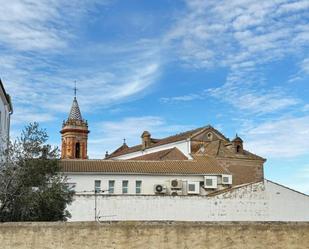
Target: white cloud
[
  {"x": 281, "y": 138},
  {"x": 306, "y": 108},
  {"x": 253, "y": 101},
  {"x": 183, "y": 98},
  {"x": 294, "y": 6},
  {"x": 31, "y": 71},
  {"x": 24, "y": 116},
  {"x": 111, "y": 133},
  {"x": 242, "y": 36},
  {"x": 29, "y": 25},
  {"x": 40, "y": 25}
]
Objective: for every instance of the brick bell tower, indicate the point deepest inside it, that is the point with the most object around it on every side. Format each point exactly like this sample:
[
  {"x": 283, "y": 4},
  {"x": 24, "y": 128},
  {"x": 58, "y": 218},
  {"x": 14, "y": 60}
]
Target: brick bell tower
[{"x": 74, "y": 134}]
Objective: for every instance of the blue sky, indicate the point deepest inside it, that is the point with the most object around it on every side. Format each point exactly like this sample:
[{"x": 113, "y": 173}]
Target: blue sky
[{"x": 165, "y": 66}]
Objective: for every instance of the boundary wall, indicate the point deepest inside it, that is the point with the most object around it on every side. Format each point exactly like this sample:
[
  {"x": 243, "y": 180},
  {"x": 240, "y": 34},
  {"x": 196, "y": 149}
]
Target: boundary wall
[{"x": 154, "y": 235}]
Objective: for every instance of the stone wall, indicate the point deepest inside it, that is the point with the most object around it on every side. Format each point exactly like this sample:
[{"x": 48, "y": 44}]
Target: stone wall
[{"x": 84, "y": 235}]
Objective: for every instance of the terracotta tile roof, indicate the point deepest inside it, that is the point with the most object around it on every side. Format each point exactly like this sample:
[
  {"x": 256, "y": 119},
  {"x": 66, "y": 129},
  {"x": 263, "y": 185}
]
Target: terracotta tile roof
[
  {"x": 158, "y": 142},
  {"x": 218, "y": 148},
  {"x": 186, "y": 167},
  {"x": 169, "y": 154}
]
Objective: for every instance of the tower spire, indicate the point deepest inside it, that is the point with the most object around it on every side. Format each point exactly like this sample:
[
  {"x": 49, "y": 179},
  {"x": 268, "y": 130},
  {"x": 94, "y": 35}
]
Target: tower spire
[
  {"x": 74, "y": 133},
  {"x": 75, "y": 89}
]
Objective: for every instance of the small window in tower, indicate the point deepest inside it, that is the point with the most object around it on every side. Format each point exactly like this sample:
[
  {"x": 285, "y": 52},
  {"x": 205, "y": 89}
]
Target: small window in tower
[
  {"x": 77, "y": 150},
  {"x": 238, "y": 148}
]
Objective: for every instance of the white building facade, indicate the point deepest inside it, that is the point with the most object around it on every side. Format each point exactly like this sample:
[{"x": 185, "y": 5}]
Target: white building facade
[
  {"x": 6, "y": 111},
  {"x": 262, "y": 201},
  {"x": 112, "y": 177}
]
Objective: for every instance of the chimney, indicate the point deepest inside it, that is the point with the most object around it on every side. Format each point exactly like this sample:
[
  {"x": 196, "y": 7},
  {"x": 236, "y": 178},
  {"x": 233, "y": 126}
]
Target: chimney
[{"x": 146, "y": 140}]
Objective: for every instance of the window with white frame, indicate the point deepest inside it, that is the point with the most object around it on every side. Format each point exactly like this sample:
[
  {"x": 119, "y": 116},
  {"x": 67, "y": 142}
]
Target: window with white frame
[
  {"x": 111, "y": 186},
  {"x": 97, "y": 186},
  {"x": 138, "y": 187},
  {"x": 125, "y": 185}
]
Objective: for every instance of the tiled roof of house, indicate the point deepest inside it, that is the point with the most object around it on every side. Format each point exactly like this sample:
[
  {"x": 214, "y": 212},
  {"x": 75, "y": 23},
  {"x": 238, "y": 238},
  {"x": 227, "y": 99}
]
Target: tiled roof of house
[
  {"x": 186, "y": 167},
  {"x": 158, "y": 142},
  {"x": 169, "y": 154}
]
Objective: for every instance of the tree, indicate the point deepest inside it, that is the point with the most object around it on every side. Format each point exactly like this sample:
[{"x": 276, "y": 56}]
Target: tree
[{"x": 32, "y": 187}]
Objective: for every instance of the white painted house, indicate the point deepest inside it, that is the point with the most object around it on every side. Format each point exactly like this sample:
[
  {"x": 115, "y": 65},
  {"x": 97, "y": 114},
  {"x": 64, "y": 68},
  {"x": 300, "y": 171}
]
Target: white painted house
[
  {"x": 6, "y": 111},
  {"x": 110, "y": 177}
]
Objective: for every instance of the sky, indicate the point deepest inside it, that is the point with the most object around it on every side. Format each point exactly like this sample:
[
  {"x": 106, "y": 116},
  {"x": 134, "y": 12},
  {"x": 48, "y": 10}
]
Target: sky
[{"x": 165, "y": 66}]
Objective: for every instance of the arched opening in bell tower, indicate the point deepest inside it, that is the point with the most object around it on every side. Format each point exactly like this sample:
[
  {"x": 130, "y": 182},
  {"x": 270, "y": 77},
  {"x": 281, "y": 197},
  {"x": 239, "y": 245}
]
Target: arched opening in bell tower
[{"x": 77, "y": 150}]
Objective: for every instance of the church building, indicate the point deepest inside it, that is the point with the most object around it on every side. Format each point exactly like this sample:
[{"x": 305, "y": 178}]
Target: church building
[{"x": 197, "y": 175}]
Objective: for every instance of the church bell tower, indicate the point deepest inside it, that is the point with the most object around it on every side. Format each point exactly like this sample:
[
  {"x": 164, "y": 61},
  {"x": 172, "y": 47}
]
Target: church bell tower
[{"x": 74, "y": 134}]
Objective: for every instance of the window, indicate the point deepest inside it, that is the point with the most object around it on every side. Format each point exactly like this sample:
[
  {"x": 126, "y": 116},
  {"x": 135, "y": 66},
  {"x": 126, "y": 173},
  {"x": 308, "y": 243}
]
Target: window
[
  {"x": 191, "y": 187},
  {"x": 77, "y": 150},
  {"x": 125, "y": 185},
  {"x": 138, "y": 187},
  {"x": 238, "y": 148},
  {"x": 111, "y": 187},
  {"x": 97, "y": 186}
]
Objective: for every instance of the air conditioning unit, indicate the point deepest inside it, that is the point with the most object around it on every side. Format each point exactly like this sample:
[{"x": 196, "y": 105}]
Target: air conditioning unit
[
  {"x": 176, "y": 192},
  {"x": 210, "y": 182},
  {"x": 193, "y": 188},
  {"x": 227, "y": 179},
  {"x": 176, "y": 184},
  {"x": 160, "y": 189}
]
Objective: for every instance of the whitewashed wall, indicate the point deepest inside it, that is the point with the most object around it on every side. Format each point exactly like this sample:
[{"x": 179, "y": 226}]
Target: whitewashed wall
[
  {"x": 264, "y": 201},
  {"x": 84, "y": 182},
  {"x": 184, "y": 146},
  {"x": 4, "y": 121}
]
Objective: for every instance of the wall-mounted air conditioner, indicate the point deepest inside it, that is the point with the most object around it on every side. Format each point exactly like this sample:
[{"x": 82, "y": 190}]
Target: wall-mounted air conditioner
[
  {"x": 193, "y": 188},
  {"x": 160, "y": 189},
  {"x": 210, "y": 182},
  {"x": 227, "y": 179},
  {"x": 176, "y": 184},
  {"x": 176, "y": 192}
]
